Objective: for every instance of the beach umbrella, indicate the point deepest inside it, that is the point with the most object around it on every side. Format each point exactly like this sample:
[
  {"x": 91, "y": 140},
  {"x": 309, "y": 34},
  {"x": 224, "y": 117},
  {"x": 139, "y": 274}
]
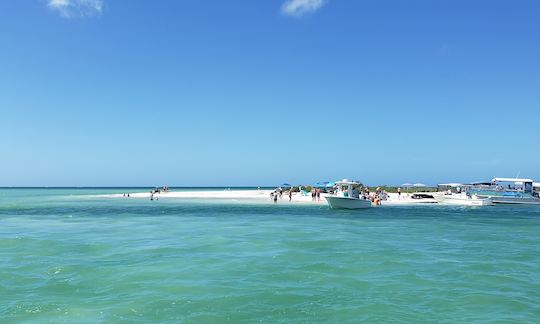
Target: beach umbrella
[
  {"x": 419, "y": 185},
  {"x": 285, "y": 185},
  {"x": 320, "y": 184},
  {"x": 407, "y": 186}
]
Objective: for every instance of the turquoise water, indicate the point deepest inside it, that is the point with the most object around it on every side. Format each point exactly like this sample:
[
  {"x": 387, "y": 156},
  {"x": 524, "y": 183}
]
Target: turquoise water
[{"x": 69, "y": 256}]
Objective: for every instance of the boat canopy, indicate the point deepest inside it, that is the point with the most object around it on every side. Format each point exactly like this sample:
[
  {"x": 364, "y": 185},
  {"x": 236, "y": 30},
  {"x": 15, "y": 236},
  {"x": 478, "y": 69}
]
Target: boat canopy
[
  {"x": 536, "y": 184},
  {"x": 510, "y": 180}
]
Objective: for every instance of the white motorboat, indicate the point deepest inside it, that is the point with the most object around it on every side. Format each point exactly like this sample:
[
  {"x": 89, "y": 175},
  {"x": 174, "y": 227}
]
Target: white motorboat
[
  {"x": 347, "y": 197},
  {"x": 463, "y": 199}
]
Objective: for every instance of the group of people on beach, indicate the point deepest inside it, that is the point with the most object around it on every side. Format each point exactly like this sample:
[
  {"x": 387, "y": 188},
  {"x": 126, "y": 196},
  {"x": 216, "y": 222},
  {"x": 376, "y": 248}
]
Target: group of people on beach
[
  {"x": 378, "y": 196},
  {"x": 157, "y": 190},
  {"x": 365, "y": 193},
  {"x": 278, "y": 193},
  {"x": 316, "y": 194}
]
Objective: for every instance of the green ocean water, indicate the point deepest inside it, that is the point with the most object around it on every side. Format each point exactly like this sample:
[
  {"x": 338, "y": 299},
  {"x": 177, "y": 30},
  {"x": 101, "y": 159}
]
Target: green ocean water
[{"x": 68, "y": 256}]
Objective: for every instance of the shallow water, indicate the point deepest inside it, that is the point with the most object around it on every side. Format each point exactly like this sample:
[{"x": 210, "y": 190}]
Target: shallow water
[{"x": 69, "y": 256}]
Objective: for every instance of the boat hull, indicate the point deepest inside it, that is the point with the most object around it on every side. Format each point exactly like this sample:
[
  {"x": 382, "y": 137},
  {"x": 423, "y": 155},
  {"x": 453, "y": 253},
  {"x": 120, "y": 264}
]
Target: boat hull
[
  {"x": 512, "y": 200},
  {"x": 347, "y": 203},
  {"x": 463, "y": 201},
  {"x": 512, "y": 197}
]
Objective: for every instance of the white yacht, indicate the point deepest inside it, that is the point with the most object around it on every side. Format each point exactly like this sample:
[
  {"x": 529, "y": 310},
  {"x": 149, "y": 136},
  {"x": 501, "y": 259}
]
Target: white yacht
[{"x": 347, "y": 197}]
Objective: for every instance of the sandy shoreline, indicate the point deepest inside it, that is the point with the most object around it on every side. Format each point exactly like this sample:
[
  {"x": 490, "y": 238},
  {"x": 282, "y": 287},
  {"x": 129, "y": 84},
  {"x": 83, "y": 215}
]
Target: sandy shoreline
[{"x": 255, "y": 195}]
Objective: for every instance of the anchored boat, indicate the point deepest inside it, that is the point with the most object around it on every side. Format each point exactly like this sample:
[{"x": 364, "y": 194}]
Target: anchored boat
[
  {"x": 507, "y": 191},
  {"x": 463, "y": 199},
  {"x": 347, "y": 196},
  {"x": 459, "y": 194}
]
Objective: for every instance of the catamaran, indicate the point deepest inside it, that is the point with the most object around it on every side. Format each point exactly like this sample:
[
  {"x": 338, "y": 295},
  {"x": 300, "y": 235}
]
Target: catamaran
[{"x": 347, "y": 196}]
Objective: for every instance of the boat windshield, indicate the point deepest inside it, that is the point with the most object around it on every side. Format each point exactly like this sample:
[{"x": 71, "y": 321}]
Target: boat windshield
[
  {"x": 349, "y": 190},
  {"x": 452, "y": 188}
]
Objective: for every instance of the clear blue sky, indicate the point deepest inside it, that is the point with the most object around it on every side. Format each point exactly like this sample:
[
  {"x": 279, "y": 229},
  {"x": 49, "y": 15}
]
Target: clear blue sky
[{"x": 243, "y": 92}]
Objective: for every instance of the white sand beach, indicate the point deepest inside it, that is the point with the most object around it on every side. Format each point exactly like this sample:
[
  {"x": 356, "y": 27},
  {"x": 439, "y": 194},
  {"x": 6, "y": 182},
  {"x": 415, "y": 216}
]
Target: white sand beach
[{"x": 260, "y": 196}]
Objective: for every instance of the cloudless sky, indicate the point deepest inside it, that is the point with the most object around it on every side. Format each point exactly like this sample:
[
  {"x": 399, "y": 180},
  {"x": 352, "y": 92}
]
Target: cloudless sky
[{"x": 237, "y": 92}]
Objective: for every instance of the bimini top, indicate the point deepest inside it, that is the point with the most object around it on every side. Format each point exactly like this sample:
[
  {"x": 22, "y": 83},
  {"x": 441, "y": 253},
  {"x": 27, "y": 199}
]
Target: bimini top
[{"x": 510, "y": 180}]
